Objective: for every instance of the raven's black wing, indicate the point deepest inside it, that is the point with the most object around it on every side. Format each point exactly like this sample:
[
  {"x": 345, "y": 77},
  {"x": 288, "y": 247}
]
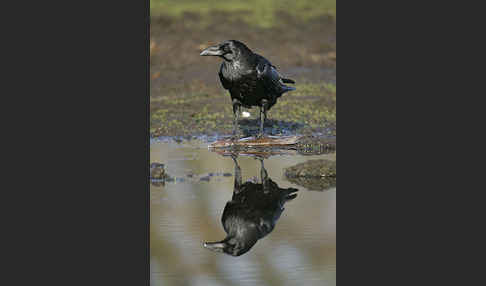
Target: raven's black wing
[{"x": 271, "y": 79}]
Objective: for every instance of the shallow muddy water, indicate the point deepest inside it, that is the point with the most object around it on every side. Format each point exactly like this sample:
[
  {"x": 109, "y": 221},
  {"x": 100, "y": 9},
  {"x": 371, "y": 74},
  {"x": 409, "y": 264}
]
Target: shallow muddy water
[{"x": 187, "y": 209}]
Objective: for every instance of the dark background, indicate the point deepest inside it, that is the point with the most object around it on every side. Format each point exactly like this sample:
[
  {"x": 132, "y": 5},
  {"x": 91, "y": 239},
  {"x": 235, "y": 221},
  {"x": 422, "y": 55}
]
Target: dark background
[{"x": 75, "y": 203}]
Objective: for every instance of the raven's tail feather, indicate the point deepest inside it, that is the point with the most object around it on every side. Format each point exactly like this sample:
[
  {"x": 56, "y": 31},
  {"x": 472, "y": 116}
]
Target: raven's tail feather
[
  {"x": 287, "y": 80},
  {"x": 285, "y": 89},
  {"x": 288, "y": 88}
]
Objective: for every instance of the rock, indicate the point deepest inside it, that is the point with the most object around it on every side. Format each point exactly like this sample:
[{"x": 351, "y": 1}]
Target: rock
[
  {"x": 314, "y": 175},
  {"x": 158, "y": 177},
  {"x": 314, "y": 184},
  {"x": 312, "y": 168},
  {"x": 205, "y": 178},
  {"x": 157, "y": 171}
]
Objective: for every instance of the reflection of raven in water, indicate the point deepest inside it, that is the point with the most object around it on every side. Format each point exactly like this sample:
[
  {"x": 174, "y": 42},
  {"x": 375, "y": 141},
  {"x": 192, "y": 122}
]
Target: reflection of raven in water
[{"x": 251, "y": 214}]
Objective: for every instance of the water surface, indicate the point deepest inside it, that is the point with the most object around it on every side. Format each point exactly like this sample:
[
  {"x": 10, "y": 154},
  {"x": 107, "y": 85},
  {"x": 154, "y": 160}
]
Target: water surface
[{"x": 187, "y": 211}]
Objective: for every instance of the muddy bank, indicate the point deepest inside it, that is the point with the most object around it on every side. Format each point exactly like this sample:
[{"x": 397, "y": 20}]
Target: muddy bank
[
  {"x": 311, "y": 109},
  {"x": 186, "y": 97}
]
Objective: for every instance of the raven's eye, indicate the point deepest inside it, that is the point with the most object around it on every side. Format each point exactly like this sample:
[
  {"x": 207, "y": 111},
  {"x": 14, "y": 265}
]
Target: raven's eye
[{"x": 226, "y": 48}]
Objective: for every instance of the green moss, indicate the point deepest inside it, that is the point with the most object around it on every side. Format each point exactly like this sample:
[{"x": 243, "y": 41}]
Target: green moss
[{"x": 311, "y": 108}]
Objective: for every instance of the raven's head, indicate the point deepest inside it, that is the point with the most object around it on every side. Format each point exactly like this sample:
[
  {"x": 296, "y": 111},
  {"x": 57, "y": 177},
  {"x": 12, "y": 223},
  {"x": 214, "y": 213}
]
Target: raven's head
[
  {"x": 238, "y": 243},
  {"x": 231, "y": 245},
  {"x": 228, "y": 50}
]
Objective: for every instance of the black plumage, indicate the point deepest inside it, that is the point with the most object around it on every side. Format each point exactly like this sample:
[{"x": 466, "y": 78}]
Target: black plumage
[
  {"x": 251, "y": 214},
  {"x": 250, "y": 78}
]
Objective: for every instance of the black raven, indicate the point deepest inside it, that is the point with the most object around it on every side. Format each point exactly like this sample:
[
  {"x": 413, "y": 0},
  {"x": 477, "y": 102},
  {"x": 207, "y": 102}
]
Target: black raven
[
  {"x": 250, "y": 78},
  {"x": 251, "y": 214}
]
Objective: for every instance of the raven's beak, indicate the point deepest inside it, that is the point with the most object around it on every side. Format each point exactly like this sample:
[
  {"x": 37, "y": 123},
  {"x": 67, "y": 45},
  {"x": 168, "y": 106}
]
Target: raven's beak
[
  {"x": 212, "y": 51},
  {"x": 214, "y": 246}
]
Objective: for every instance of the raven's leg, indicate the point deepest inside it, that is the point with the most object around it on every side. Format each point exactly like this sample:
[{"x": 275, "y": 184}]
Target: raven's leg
[
  {"x": 236, "y": 115},
  {"x": 238, "y": 179},
  {"x": 263, "y": 116},
  {"x": 263, "y": 171},
  {"x": 261, "y": 122},
  {"x": 264, "y": 176}
]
